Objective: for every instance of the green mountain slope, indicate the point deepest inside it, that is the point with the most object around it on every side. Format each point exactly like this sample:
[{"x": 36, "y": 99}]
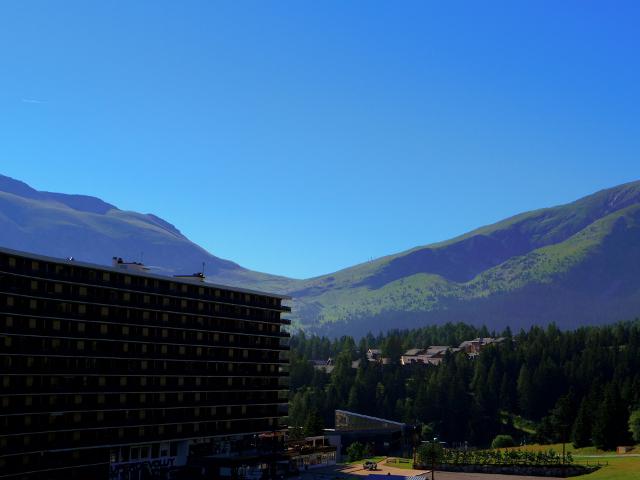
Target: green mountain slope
[
  {"x": 572, "y": 264},
  {"x": 576, "y": 263}
]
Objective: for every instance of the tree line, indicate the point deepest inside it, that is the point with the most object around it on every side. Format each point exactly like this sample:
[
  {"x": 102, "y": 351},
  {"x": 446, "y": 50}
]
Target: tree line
[{"x": 581, "y": 386}]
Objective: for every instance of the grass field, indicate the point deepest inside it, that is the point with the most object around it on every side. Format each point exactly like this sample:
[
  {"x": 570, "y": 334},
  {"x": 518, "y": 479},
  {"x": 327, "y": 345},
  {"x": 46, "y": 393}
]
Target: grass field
[
  {"x": 404, "y": 463},
  {"x": 615, "y": 467}
]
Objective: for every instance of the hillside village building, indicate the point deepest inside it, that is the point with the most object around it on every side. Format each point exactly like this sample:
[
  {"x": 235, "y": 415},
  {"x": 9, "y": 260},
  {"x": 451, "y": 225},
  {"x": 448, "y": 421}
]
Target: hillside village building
[
  {"x": 431, "y": 355},
  {"x": 114, "y": 373}
]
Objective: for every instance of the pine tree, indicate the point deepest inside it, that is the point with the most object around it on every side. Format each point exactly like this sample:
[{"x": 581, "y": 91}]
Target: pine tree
[
  {"x": 525, "y": 391},
  {"x": 581, "y": 432},
  {"x": 634, "y": 425},
  {"x": 610, "y": 427}
]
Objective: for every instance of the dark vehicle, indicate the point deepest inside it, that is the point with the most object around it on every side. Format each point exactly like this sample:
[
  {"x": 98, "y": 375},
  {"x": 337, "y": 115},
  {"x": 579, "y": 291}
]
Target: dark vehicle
[{"x": 369, "y": 465}]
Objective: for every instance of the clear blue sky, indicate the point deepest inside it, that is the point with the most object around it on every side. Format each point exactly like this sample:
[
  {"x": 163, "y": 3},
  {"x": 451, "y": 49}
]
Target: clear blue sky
[{"x": 301, "y": 137}]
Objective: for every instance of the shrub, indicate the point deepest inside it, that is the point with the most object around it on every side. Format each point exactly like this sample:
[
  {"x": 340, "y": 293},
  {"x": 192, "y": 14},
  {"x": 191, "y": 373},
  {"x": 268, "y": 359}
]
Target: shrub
[
  {"x": 503, "y": 441},
  {"x": 355, "y": 451},
  {"x": 634, "y": 425}
]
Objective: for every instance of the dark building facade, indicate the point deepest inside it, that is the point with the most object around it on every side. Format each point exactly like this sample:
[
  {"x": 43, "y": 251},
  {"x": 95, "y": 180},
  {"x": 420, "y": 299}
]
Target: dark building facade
[{"x": 113, "y": 373}]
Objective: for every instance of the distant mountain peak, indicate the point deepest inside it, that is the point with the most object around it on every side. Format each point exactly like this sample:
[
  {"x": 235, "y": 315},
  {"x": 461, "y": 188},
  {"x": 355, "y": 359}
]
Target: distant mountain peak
[
  {"x": 81, "y": 203},
  {"x": 90, "y": 229}
]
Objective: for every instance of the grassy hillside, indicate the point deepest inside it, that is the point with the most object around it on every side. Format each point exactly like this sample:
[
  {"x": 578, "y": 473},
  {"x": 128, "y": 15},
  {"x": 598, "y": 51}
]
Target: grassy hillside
[
  {"x": 561, "y": 264},
  {"x": 574, "y": 262}
]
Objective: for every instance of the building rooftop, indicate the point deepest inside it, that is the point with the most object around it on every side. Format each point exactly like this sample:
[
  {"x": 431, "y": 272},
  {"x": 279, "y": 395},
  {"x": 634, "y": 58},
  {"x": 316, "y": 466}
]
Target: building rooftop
[{"x": 189, "y": 280}]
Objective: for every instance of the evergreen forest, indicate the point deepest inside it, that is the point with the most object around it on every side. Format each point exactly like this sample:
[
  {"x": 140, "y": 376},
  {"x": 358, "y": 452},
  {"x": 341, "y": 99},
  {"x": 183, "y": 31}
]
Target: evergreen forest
[{"x": 542, "y": 385}]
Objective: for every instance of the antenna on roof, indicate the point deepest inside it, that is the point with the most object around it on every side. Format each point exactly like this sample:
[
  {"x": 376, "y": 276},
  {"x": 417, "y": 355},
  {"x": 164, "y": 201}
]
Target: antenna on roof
[{"x": 203, "y": 264}]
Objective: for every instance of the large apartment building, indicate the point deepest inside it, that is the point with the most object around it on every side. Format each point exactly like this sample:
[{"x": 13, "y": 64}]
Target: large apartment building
[{"x": 115, "y": 373}]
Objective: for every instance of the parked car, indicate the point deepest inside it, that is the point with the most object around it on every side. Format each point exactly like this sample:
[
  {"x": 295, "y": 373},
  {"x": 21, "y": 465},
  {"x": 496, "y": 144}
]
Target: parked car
[{"x": 369, "y": 465}]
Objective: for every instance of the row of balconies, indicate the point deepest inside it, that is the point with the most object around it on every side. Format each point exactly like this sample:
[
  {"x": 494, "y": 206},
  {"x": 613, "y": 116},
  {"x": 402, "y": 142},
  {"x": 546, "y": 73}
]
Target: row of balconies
[
  {"x": 122, "y": 340},
  {"x": 136, "y": 358},
  {"x": 53, "y": 422},
  {"x": 112, "y": 292},
  {"x": 16, "y": 301},
  {"x": 24, "y": 364},
  {"x": 133, "y": 432},
  {"x": 85, "y": 464},
  {"x": 119, "y": 399},
  {"x": 36, "y": 384}
]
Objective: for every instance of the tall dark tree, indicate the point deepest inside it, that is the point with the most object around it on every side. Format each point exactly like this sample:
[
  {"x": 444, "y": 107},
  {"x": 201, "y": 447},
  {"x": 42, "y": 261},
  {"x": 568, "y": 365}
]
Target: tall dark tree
[{"x": 581, "y": 431}]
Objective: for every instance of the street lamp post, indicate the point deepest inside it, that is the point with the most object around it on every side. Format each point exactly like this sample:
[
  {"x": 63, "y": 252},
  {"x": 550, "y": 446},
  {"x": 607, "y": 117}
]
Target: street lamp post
[{"x": 433, "y": 457}]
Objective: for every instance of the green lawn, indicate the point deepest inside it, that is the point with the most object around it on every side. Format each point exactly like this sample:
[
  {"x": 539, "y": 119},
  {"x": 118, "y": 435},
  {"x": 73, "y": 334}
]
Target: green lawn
[
  {"x": 615, "y": 467},
  {"x": 618, "y": 468},
  {"x": 406, "y": 463}
]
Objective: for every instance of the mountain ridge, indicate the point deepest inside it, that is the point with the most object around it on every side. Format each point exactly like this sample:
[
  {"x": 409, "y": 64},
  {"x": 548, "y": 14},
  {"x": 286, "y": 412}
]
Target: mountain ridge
[{"x": 547, "y": 265}]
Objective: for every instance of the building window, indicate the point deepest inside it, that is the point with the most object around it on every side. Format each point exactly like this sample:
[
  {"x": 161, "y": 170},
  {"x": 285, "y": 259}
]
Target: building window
[
  {"x": 10, "y": 301},
  {"x": 34, "y": 285},
  {"x": 104, "y": 329},
  {"x": 82, "y": 291},
  {"x": 81, "y": 327}
]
